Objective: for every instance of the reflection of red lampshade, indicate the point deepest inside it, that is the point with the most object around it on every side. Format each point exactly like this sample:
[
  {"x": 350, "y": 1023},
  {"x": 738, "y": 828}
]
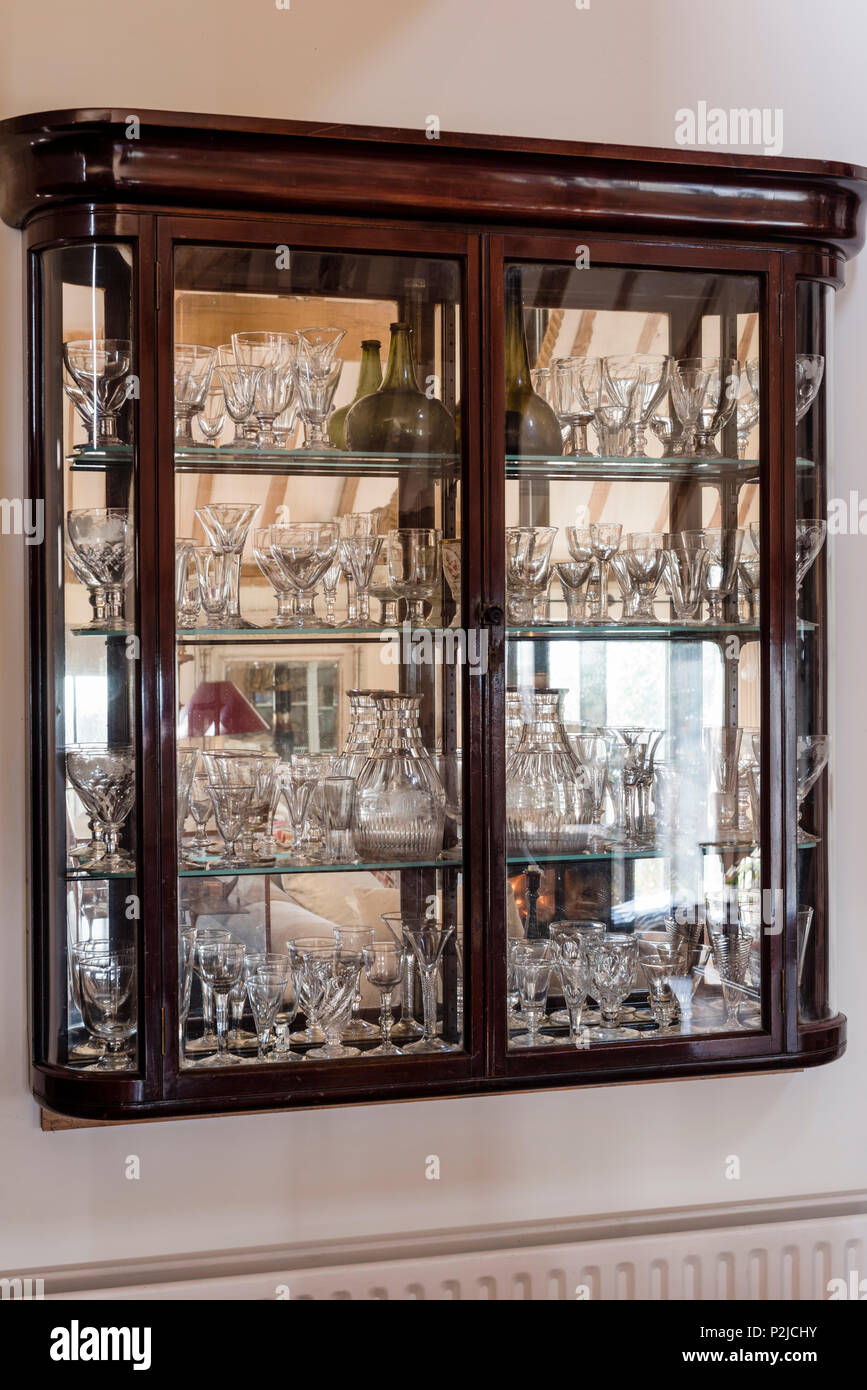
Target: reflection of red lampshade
[{"x": 218, "y": 707}]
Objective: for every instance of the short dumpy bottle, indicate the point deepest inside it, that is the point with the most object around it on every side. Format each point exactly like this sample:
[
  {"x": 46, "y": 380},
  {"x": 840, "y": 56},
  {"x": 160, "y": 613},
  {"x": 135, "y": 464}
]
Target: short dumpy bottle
[
  {"x": 369, "y": 380},
  {"x": 531, "y": 425},
  {"x": 400, "y": 417}
]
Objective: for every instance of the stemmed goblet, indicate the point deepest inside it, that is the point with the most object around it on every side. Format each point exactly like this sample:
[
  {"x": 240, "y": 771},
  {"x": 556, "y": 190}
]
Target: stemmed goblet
[
  {"x": 194, "y": 368},
  {"x": 731, "y": 956},
  {"x": 533, "y": 963},
  {"x": 528, "y": 568},
  {"x": 355, "y": 941},
  {"x": 644, "y": 558},
  {"x": 361, "y": 553},
  {"x": 284, "y": 589},
  {"x": 809, "y": 370},
  {"x": 103, "y": 539},
  {"x": 809, "y": 539},
  {"x": 316, "y": 391},
  {"x": 604, "y": 542},
  {"x": 265, "y": 990},
  {"x": 613, "y": 963},
  {"x": 105, "y": 780},
  {"x": 574, "y": 576},
  {"x": 221, "y": 964},
  {"x": 239, "y": 391},
  {"x": 99, "y": 368},
  {"x": 272, "y": 355},
  {"x": 571, "y": 378},
  {"x": 573, "y": 967},
  {"x": 723, "y": 548},
  {"x": 302, "y": 554},
  {"x": 813, "y": 753},
  {"x": 408, "y": 1027},
  {"x": 106, "y": 982},
  {"x": 385, "y": 967},
  {"x": 414, "y": 556},
  {"x": 212, "y": 416},
  {"x": 428, "y": 940},
  {"x": 226, "y": 525},
  {"x": 686, "y": 567}
]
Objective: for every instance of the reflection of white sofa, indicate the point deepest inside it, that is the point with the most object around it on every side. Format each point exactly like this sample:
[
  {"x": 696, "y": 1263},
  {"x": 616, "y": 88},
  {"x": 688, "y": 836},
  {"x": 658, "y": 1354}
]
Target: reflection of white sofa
[{"x": 306, "y": 905}]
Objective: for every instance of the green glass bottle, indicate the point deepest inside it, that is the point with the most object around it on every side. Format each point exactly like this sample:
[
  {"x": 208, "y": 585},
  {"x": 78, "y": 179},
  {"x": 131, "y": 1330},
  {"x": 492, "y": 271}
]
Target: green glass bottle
[
  {"x": 369, "y": 380},
  {"x": 399, "y": 417},
  {"x": 531, "y": 425}
]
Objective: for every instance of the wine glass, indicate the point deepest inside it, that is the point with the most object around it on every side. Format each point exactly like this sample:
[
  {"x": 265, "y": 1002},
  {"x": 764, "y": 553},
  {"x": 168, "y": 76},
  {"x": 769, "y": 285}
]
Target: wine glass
[
  {"x": 221, "y": 964},
  {"x": 302, "y": 554},
  {"x": 638, "y": 381},
  {"x": 528, "y": 568},
  {"x": 722, "y": 748},
  {"x": 214, "y": 578},
  {"x": 361, "y": 554},
  {"x": 573, "y": 576},
  {"x": 105, "y": 780},
  {"x": 318, "y": 346},
  {"x": 284, "y": 589},
  {"x": 717, "y": 403},
  {"x": 644, "y": 558},
  {"x": 731, "y": 956},
  {"x": 300, "y": 779},
  {"x": 355, "y": 941},
  {"x": 99, "y": 367},
  {"x": 201, "y": 808},
  {"x": 685, "y": 572},
  {"x": 613, "y": 966},
  {"x": 428, "y": 939},
  {"x": 573, "y": 967},
  {"x": 194, "y": 368},
  {"x": 748, "y": 407},
  {"x": 103, "y": 539},
  {"x": 212, "y": 416},
  {"x": 265, "y": 990},
  {"x": 239, "y": 392},
  {"x": 809, "y": 370},
  {"x": 414, "y": 557},
  {"x": 385, "y": 967},
  {"x": 408, "y": 1027},
  {"x": 225, "y": 525},
  {"x": 316, "y": 391},
  {"x": 723, "y": 546},
  {"x": 107, "y": 986},
  {"x": 231, "y": 808},
  {"x": 533, "y": 963},
  {"x": 192, "y": 938},
  {"x": 272, "y": 355},
  {"x": 809, "y": 539},
  {"x": 604, "y": 542},
  {"x": 813, "y": 753},
  {"x": 570, "y": 400}
]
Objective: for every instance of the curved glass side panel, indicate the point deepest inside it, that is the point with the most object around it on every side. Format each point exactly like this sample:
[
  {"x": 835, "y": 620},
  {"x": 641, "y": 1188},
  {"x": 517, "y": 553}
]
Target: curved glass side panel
[{"x": 87, "y": 820}]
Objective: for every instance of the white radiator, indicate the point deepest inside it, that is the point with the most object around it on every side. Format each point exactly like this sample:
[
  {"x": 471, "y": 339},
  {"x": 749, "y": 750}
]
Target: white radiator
[{"x": 788, "y": 1258}]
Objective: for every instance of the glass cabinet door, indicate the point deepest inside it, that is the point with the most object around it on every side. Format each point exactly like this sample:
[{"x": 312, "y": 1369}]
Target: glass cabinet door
[
  {"x": 814, "y": 979},
  {"x": 88, "y": 829},
  {"x": 634, "y": 719},
  {"x": 321, "y": 656}
]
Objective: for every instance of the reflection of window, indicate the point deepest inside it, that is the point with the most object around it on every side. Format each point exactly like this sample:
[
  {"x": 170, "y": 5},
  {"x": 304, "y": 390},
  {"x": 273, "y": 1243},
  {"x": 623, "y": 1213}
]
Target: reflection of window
[
  {"x": 86, "y": 703},
  {"x": 297, "y": 699}
]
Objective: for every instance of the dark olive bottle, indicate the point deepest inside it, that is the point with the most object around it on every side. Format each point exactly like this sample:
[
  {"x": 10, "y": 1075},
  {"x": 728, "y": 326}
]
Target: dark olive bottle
[
  {"x": 369, "y": 380},
  {"x": 531, "y": 425},
  {"x": 399, "y": 417}
]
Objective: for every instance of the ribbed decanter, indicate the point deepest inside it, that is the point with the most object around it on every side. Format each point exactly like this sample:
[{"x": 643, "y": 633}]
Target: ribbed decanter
[
  {"x": 399, "y": 800},
  {"x": 548, "y": 809}
]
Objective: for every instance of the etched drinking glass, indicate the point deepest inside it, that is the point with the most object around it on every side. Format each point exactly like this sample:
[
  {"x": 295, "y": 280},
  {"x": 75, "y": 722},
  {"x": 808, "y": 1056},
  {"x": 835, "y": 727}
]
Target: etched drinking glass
[
  {"x": 103, "y": 538},
  {"x": 808, "y": 378},
  {"x": 809, "y": 539},
  {"x": 105, "y": 780},
  {"x": 613, "y": 967}
]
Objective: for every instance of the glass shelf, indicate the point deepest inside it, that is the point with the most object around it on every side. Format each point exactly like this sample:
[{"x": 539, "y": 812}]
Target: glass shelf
[
  {"x": 662, "y": 470},
  {"x": 287, "y": 867},
  {"x": 589, "y": 632},
  {"x": 94, "y": 876},
  {"x": 721, "y": 847},
  {"x": 196, "y": 636},
  {"x": 279, "y": 462}
]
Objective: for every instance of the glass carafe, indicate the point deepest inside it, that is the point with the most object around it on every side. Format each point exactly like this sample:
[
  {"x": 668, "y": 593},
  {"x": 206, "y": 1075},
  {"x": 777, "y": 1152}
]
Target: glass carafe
[
  {"x": 363, "y": 724},
  {"x": 548, "y": 806},
  {"x": 399, "y": 801}
]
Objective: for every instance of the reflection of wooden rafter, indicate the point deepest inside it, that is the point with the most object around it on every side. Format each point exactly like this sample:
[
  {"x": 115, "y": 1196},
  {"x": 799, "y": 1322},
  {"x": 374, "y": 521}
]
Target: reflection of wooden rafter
[
  {"x": 583, "y": 333},
  {"x": 549, "y": 342}
]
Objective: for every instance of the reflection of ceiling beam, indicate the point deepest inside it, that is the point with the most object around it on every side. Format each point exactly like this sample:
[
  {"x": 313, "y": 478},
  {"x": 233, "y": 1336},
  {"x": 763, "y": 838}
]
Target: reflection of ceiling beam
[
  {"x": 204, "y": 489},
  {"x": 348, "y": 494},
  {"x": 275, "y": 497},
  {"x": 583, "y": 333}
]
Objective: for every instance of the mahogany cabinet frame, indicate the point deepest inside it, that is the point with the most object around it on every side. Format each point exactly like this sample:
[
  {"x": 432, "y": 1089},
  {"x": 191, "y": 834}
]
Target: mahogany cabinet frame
[{"x": 77, "y": 176}]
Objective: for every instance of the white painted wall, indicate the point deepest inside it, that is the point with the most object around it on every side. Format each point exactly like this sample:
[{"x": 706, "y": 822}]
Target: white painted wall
[{"x": 615, "y": 72}]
